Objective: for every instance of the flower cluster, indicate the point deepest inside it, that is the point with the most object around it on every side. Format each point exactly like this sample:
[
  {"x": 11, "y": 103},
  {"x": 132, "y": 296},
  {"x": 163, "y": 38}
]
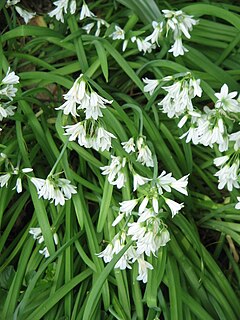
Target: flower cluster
[
  {"x": 89, "y": 132},
  {"x": 116, "y": 170},
  {"x": 26, "y": 15},
  {"x": 206, "y": 126},
  {"x": 180, "y": 24},
  {"x": 37, "y": 235},
  {"x": 63, "y": 7},
  {"x": 55, "y": 189},
  {"x": 12, "y": 172},
  {"x": 148, "y": 232},
  {"x": 7, "y": 93},
  {"x": 176, "y": 23}
]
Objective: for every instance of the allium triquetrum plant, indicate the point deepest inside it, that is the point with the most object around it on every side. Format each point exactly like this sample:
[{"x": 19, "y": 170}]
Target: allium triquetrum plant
[{"x": 120, "y": 162}]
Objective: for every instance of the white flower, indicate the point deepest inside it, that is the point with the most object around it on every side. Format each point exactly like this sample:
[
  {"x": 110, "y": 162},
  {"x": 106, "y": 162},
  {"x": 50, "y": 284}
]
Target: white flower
[
  {"x": 114, "y": 171},
  {"x": 150, "y": 86},
  {"x": 10, "y": 78},
  {"x": 123, "y": 262},
  {"x": 143, "y": 267},
  {"x": 69, "y": 106},
  {"x": 128, "y": 206},
  {"x": 177, "y": 48},
  {"x": 136, "y": 230},
  {"x": 235, "y": 137},
  {"x": 157, "y": 31},
  {"x": 125, "y": 43},
  {"x": 147, "y": 244},
  {"x": 180, "y": 185},
  {"x": 11, "y": 3},
  {"x": 55, "y": 189},
  {"x": 174, "y": 206},
  {"x": 100, "y": 22},
  {"x": 179, "y": 98},
  {"x": 118, "y": 34},
  {"x": 114, "y": 247},
  {"x": 220, "y": 160},
  {"x": 146, "y": 214},
  {"x": 88, "y": 27},
  {"x": 237, "y": 206},
  {"x": 96, "y": 103},
  {"x": 144, "y": 153},
  {"x": 6, "y": 111},
  {"x": 226, "y": 101},
  {"x": 179, "y": 22},
  {"x": 9, "y": 91},
  {"x": 228, "y": 175},
  {"x": 18, "y": 185},
  {"x": 118, "y": 219},
  {"x": 143, "y": 204},
  {"x": 76, "y": 131},
  {"x": 85, "y": 12},
  {"x": 66, "y": 187},
  {"x": 164, "y": 181},
  {"x": 77, "y": 91},
  {"x": 61, "y": 7},
  {"x": 102, "y": 140},
  {"x": 194, "y": 86},
  {"x": 155, "y": 203},
  {"x": 129, "y": 146},
  {"x": 4, "y": 179},
  {"x": 212, "y": 129},
  {"x": 27, "y": 16},
  {"x": 73, "y": 6},
  {"x": 45, "y": 252},
  {"x": 143, "y": 45},
  {"x": 37, "y": 234},
  {"x": 138, "y": 180},
  {"x": 163, "y": 238},
  {"x": 107, "y": 253}
]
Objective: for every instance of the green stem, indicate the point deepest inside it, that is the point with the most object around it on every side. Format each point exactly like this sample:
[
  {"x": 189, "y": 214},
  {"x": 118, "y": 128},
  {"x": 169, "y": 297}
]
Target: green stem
[
  {"x": 138, "y": 109},
  {"x": 59, "y": 158}
]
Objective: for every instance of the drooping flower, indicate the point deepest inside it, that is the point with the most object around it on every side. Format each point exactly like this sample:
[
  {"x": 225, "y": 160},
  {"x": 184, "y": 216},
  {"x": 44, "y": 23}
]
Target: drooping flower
[
  {"x": 226, "y": 101},
  {"x": 144, "y": 153},
  {"x": 143, "y": 44},
  {"x": 128, "y": 206},
  {"x": 228, "y": 176},
  {"x": 150, "y": 86},
  {"x": 85, "y": 12},
  {"x": 235, "y": 137},
  {"x": 4, "y": 179},
  {"x": 138, "y": 180},
  {"x": 129, "y": 146},
  {"x": 9, "y": 91},
  {"x": 115, "y": 172},
  {"x": 174, "y": 206},
  {"x": 118, "y": 34},
  {"x": 37, "y": 235},
  {"x": 61, "y": 8},
  {"x": 157, "y": 32},
  {"x": 10, "y": 78},
  {"x": 6, "y": 110},
  {"x": 178, "y": 48},
  {"x": 56, "y": 189},
  {"x": 26, "y": 15},
  {"x": 237, "y": 206},
  {"x": 143, "y": 267}
]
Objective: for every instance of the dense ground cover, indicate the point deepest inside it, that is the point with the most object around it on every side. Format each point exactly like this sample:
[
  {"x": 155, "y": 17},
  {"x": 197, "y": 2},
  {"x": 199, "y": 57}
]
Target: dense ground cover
[{"x": 119, "y": 160}]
